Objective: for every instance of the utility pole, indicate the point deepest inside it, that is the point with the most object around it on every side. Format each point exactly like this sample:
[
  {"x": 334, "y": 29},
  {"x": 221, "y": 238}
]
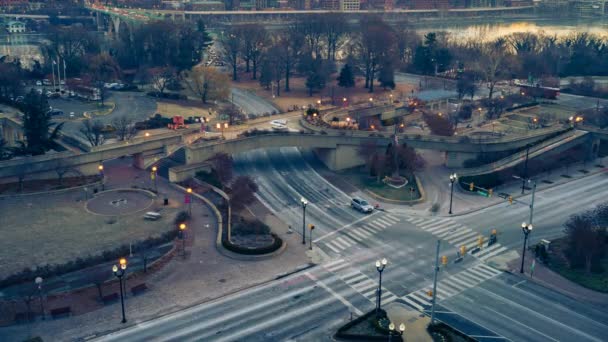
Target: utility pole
[
  {"x": 435, "y": 281},
  {"x": 525, "y": 175},
  {"x": 532, "y": 202}
]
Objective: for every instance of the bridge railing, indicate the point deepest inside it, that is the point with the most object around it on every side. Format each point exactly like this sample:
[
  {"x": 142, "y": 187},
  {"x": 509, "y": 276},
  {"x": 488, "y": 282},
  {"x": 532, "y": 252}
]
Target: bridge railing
[
  {"x": 435, "y": 138},
  {"x": 534, "y": 151}
]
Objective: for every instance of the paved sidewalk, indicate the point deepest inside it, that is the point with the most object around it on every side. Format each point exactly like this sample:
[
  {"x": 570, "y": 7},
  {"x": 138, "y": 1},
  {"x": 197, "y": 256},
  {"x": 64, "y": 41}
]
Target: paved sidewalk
[
  {"x": 547, "y": 278},
  {"x": 203, "y": 275}
]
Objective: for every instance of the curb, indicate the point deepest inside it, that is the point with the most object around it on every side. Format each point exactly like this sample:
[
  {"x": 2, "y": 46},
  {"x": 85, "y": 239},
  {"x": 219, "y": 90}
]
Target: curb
[
  {"x": 421, "y": 199},
  {"x": 58, "y": 191}
]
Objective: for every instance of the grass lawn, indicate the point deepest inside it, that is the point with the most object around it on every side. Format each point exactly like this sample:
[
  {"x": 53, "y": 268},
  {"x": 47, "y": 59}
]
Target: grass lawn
[
  {"x": 54, "y": 229},
  {"x": 170, "y": 109},
  {"x": 593, "y": 281},
  {"x": 359, "y": 178}
]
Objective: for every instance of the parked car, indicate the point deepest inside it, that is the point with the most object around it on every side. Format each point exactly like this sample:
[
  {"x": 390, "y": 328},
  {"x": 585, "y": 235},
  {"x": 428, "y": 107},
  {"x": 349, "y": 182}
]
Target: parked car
[
  {"x": 361, "y": 205},
  {"x": 55, "y": 111},
  {"x": 38, "y": 83}
]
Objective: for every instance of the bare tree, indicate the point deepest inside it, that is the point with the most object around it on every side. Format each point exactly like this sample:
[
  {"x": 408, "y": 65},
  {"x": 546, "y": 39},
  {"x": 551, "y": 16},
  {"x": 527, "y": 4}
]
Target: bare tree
[
  {"x": 61, "y": 168},
  {"x": 493, "y": 63},
  {"x": 335, "y": 29},
  {"x": 255, "y": 37},
  {"x": 125, "y": 127},
  {"x": 231, "y": 44},
  {"x": 367, "y": 151},
  {"x": 208, "y": 83},
  {"x": 93, "y": 132},
  {"x": 376, "y": 45},
  {"x": 242, "y": 192},
  {"x": 222, "y": 163},
  {"x": 161, "y": 77}
]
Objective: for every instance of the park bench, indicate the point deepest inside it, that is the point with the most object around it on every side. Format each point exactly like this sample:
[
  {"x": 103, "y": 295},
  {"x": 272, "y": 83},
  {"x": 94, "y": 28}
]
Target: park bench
[
  {"x": 109, "y": 298},
  {"x": 59, "y": 312},
  {"x": 135, "y": 290}
]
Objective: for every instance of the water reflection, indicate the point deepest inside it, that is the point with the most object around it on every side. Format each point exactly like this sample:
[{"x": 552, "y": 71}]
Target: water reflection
[{"x": 491, "y": 31}]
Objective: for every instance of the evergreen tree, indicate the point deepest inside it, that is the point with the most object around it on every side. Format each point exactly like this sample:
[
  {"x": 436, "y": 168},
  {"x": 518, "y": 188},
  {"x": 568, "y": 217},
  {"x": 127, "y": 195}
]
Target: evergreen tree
[
  {"x": 317, "y": 77},
  {"x": 346, "y": 78},
  {"x": 266, "y": 74},
  {"x": 386, "y": 76},
  {"x": 37, "y": 123}
]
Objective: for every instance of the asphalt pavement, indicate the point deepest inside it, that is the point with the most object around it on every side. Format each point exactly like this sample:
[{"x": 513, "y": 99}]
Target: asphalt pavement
[{"x": 251, "y": 103}]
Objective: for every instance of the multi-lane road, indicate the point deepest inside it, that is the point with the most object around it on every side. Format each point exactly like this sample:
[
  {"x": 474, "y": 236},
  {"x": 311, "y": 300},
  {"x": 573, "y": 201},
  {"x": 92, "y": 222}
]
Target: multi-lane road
[{"x": 473, "y": 295}]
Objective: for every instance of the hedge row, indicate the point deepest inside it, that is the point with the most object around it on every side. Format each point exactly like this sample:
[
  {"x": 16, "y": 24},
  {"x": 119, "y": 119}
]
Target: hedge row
[
  {"x": 276, "y": 244},
  {"x": 47, "y": 271}
]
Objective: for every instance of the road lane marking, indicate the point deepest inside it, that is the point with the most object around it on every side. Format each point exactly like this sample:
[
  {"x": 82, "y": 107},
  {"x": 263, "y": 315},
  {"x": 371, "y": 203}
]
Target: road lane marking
[
  {"x": 527, "y": 326},
  {"x": 344, "y": 227}
]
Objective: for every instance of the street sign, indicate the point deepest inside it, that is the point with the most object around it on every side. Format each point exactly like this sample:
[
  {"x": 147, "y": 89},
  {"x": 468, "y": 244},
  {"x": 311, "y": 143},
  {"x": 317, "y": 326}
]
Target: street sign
[
  {"x": 482, "y": 193},
  {"x": 186, "y": 199}
]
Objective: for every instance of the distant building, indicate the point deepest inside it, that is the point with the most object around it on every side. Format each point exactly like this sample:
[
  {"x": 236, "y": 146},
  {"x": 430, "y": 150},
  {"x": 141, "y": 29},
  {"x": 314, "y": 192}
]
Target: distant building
[
  {"x": 350, "y": 5},
  {"x": 8, "y": 4},
  {"x": 15, "y": 27},
  {"x": 330, "y": 5},
  {"x": 206, "y": 5}
]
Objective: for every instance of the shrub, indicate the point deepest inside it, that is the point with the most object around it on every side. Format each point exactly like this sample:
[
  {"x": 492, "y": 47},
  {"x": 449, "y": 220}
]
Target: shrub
[
  {"x": 47, "y": 271},
  {"x": 276, "y": 244},
  {"x": 247, "y": 227}
]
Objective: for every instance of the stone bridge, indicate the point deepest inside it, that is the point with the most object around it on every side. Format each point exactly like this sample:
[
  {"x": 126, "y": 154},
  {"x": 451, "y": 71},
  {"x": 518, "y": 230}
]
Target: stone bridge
[{"x": 338, "y": 148}]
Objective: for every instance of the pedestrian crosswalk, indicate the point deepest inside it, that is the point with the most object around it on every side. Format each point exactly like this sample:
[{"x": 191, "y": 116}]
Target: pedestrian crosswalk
[
  {"x": 354, "y": 235},
  {"x": 360, "y": 282},
  {"x": 451, "y": 286},
  {"x": 458, "y": 235}
]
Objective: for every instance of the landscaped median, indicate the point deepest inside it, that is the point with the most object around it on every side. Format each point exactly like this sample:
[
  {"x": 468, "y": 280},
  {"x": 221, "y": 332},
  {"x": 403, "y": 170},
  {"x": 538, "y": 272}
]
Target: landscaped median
[
  {"x": 253, "y": 239},
  {"x": 106, "y": 109},
  {"x": 409, "y": 193}
]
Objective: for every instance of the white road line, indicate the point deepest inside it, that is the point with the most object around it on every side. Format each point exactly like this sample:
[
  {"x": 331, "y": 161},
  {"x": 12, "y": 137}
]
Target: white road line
[
  {"x": 375, "y": 229},
  {"x": 377, "y": 224},
  {"x": 483, "y": 271},
  {"x": 334, "y": 249},
  {"x": 461, "y": 282},
  {"x": 487, "y": 249},
  {"x": 470, "y": 234},
  {"x": 365, "y": 229},
  {"x": 389, "y": 220},
  {"x": 412, "y": 303},
  {"x": 370, "y": 293},
  {"x": 364, "y": 285},
  {"x": 358, "y": 234},
  {"x": 478, "y": 273},
  {"x": 472, "y": 245},
  {"x": 489, "y": 268},
  {"x": 464, "y": 279},
  {"x": 352, "y": 278},
  {"x": 353, "y": 236},
  {"x": 363, "y": 232},
  {"x": 458, "y": 286},
  {"x": 416, "y": 220},
  {"x": 333, "y": 293},
  {"x": 348, "y": 239},
  {"x": 336, "y": 267},
  {"x": 447, "y": 290},
  {"x": 333, "y": 262},
  {"x": 342, "y": 241},
  {"x": 384, "y": 221},
  {"x": 393, "y": 217},
  {"x": 420, "y": 298},
  {"x": 498, "y": 251},
  {"x": 440, "y": 226},
  {"x": 343, "y": 227},
  {"x": 388, "y": 299},
  {"x": 434, "y": 225},
  {"x": 447, "y": 232},
  {"x": 459, "y": 232},
  {"x": 444, "y": 230},
  {"x": 470, "y": 275}
]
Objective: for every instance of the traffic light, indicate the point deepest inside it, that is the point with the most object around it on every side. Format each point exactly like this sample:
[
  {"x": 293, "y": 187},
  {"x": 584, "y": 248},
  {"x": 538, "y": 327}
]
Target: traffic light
[
  {"x": 490, "y": 192},
  {"x": 480, "y": 241},
  {"x": 494, "y": 232},
  {"x": 444, "y": 260},
  {"x": 471, "y": 186},
  {"x": 311, "y": 226},
  {"x": 430, "y": 293},
  {"x": 463, "y": 250},
  {"x": 510, "y": 199}
]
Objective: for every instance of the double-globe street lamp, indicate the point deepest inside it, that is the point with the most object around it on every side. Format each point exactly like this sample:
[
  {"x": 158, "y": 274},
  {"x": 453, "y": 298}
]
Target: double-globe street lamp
[
  {"x": 380, "y": 266},
  {"x": 182, "y": 236},
  {"x": 526, "y": 228},
  {"x": 119, "y": 272},
  {"x": 153, "y": 175},
  {"x": 453, "y": 179},
  {"x": 392, "y": 332},
  {"x": 304, "y": 202}
]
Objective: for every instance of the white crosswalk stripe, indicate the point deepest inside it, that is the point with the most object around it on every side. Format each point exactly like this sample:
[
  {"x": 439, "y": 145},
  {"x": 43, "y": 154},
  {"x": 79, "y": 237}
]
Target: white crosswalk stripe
[
  {"x": 448, "y": 231},
  {"x": 466, "y": 237},
  {"x": 495, "y": 252},
  {"x": 330, "y": 265},
  {"x": 415, "y": 220},
  {"x": 362, "y": 232},
  {"x": 412, "y": 303},
  {"x": 341, "y": 242},
  {"x": 421, "y": 298},
  {"x": 384, "y": 221},
  {"x": 430, "y": 224},
  {"x": 458, "y": 233},
  {"x": 390, "y": 220},
  {"x": 442, "y": 228},
  {"x": 353, "y": 235},
  {"x": 377, "y": 224},
  {"x": 489, "y": 269},
  {"x": 393, "y": 217},
  {"x": 367, "y": 229},
  {"x": 348, "y": 239},
  {"x": 370, "y": 227},
  {"x": 332, "y": 247}
]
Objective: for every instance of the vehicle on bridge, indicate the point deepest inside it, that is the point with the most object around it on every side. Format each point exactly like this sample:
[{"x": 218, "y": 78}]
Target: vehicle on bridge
[{"x": 279, "y": 125}]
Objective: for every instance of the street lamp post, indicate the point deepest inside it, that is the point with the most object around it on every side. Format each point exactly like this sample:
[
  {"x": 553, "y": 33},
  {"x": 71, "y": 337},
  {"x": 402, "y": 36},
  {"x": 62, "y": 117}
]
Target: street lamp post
[
  {"x": 119, "y": 272},
  {"x": 100, "y": 168},
  {"x": 304, "y": 203},
  {"x": 526, "y": 228},
  {"x": 391, "y": 331},
  {"x": 453, "y": 178},
  {"x": 153, "y": 175},
  {"x": 222, "y": 127},
  {"x": 38, "y": 282},
  {"x": 182, "y": 236},
  {"x": 189, "y": 191},
  {"x": 380, "y": 266},
  {"x": 312, "y": 227}
]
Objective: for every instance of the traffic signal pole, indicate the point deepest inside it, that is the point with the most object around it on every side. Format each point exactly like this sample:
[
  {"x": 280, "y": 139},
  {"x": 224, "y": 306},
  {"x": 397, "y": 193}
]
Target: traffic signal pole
[
  {"x": 532, "y": 202},
  {"x": 435, "y": 282}
]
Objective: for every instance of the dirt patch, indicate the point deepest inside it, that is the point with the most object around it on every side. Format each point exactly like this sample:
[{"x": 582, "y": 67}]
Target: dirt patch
[{"x": 184, "y": 108}]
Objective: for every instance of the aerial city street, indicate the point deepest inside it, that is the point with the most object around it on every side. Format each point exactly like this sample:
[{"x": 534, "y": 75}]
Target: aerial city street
[{"x": 325, "y": 170}]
